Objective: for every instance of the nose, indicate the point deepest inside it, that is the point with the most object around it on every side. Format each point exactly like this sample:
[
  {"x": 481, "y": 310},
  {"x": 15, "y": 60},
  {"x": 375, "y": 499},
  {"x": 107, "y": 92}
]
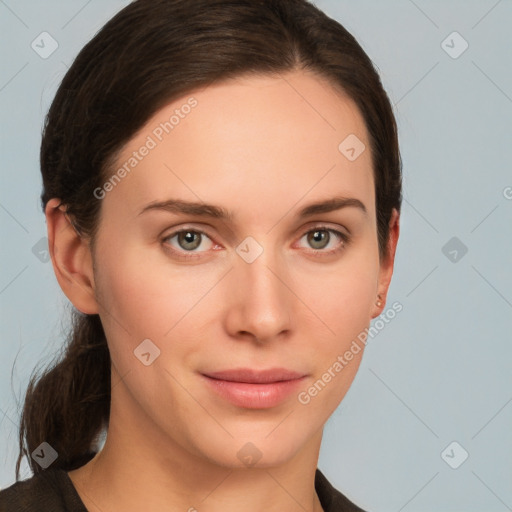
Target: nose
[{"x": 259, "y": 302}]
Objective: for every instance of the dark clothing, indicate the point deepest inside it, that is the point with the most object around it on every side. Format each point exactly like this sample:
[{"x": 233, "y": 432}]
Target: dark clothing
[
  {"x": 331, "y": 499},
  {"x": 50, "y": 490},
  {"x": 53, "y": 491}
]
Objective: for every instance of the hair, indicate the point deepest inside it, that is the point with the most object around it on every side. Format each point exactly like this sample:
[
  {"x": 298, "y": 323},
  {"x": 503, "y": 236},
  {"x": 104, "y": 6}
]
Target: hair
[{"x": 147, "y": 55}]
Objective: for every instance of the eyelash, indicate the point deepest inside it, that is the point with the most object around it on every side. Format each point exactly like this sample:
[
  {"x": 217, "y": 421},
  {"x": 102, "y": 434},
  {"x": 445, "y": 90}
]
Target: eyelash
[{"x": 187, "y": 255}]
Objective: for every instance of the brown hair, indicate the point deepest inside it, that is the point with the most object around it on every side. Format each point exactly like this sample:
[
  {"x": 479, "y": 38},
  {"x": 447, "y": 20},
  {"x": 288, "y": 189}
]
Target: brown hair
[{"x": 150, "y": 53}]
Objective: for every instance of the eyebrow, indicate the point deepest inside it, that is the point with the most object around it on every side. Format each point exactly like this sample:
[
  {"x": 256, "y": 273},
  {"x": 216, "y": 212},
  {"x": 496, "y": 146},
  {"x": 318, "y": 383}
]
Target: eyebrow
[{"x": 218, "y": 212}]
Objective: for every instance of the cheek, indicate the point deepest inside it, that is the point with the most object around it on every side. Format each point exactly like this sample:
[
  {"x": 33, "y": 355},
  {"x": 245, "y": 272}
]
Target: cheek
[
  {"x": 143, "y": 296},
  {"x": 343, "y": 300},
  {"x": 343, "y": 297},
  {"x": 125, "y": 290}
]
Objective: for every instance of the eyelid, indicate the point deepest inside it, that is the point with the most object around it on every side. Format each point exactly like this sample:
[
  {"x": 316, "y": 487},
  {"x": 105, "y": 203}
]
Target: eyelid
[{"x": 328, "y": 227}]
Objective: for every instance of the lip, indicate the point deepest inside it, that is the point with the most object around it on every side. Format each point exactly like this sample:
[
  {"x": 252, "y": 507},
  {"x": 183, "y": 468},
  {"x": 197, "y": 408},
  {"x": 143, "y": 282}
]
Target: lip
[{"x": 254, "y": 389}]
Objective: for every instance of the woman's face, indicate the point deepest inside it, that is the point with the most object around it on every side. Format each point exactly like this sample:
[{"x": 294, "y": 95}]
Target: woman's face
[{"x": 268, "y": 285}]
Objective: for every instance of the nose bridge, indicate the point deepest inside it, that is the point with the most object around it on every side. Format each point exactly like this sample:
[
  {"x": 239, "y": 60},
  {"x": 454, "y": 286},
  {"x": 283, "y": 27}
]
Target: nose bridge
[
  {"x": 262, "y": 279},
  {"x": 263, "y": 301}
]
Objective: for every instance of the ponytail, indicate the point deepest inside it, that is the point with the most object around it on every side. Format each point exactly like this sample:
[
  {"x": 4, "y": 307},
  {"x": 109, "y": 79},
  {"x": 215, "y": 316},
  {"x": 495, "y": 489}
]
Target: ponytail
[{"x": 69, "y": 404}]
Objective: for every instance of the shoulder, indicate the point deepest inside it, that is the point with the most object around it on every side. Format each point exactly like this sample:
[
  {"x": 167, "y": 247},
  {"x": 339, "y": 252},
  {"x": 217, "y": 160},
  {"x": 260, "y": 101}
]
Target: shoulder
[
  {"x": 331, "y": 499},
  {"x": 50, "y": 489}
]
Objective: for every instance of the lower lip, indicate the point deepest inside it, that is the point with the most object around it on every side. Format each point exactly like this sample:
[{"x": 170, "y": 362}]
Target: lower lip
[{"x": 254, "y": 396}]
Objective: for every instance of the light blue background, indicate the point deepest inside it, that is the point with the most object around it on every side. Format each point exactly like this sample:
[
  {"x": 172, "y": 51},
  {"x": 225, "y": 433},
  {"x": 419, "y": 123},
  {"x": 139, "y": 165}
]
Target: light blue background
[{"x": 441, "y": 370}]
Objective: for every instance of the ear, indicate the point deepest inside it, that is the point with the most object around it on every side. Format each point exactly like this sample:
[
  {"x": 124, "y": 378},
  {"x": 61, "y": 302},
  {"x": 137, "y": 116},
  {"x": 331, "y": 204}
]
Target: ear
[
  {"x": 386, "y": 266},
  {"x": 71, "y": 258}
]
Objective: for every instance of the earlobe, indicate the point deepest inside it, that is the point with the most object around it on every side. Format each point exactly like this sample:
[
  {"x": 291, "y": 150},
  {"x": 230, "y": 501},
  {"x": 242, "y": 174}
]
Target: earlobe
[
  {"x": 71, "y": 258},
  {"x": 386, "y": 266}
]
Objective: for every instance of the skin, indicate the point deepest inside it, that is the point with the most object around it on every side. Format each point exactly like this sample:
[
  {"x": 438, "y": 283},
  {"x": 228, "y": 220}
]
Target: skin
[{"x": 261, "y": 147}]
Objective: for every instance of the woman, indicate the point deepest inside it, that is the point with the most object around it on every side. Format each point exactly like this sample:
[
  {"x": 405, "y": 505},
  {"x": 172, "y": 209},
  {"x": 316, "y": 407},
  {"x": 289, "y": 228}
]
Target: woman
[{"x": 222, "y": 188}]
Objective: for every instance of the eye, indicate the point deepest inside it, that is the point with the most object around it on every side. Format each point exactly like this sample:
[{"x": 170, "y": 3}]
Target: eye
[
  {"x": 188, "y": 240},
  {"x": 325, "y": 240}
]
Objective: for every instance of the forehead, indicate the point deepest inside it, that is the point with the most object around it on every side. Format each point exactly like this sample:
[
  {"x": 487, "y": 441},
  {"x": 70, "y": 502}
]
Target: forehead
[{"x": 248, "y": 141}]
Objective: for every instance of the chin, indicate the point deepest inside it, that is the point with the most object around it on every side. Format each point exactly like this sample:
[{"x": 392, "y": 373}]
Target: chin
[{"x": 259, "y": 451}]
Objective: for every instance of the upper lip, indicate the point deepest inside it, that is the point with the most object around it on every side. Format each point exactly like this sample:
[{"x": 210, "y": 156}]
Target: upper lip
[{"x": 252, "y": 376}]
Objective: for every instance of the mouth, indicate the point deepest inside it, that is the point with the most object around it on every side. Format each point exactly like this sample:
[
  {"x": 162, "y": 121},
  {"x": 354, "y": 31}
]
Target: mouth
[{"x": 254, "y": 389}]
